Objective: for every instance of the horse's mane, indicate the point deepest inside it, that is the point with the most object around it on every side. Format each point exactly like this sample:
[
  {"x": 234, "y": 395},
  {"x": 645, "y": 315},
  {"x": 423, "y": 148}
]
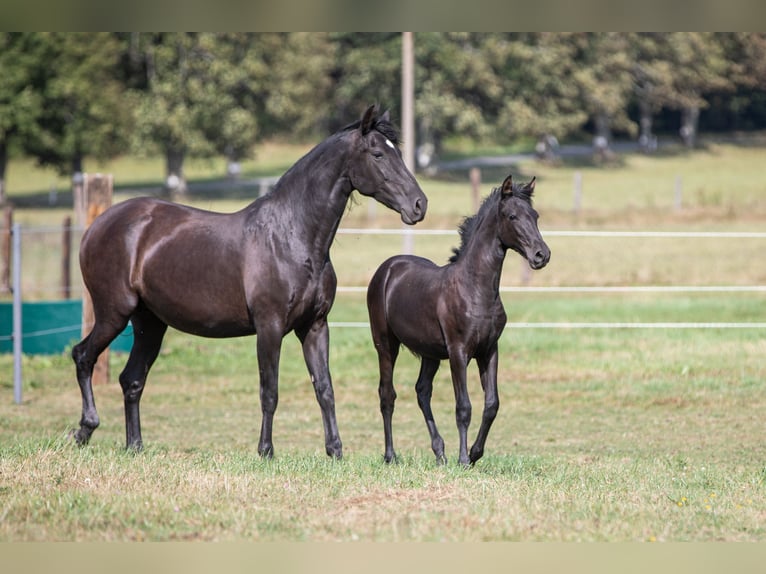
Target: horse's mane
[{"x": 469, "y": 224}]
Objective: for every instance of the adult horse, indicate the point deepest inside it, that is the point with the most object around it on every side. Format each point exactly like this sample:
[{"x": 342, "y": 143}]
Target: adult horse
[
  {"x": 453, "y": 312},
  {"x": 265, "y": 269}
]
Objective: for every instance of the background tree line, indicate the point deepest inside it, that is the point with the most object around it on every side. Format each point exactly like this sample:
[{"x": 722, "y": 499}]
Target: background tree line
[{"x": 65, "y": 97}]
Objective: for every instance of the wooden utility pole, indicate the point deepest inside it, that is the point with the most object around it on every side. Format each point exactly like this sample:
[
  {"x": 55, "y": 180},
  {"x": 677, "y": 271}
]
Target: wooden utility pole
[
  {"x": 93, "y": 196},
  {"x": 408, "y": 115}
]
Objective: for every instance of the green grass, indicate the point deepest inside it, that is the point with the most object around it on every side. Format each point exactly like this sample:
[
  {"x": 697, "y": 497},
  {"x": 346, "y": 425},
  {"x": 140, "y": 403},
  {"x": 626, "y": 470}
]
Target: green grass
[{"x": 601, "y": 436}]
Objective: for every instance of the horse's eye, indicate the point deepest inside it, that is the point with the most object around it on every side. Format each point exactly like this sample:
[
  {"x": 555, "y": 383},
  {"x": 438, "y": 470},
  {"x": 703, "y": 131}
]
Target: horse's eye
[
  {"x": 512, "y": 216},
  {"x": 377, "y": 154}
]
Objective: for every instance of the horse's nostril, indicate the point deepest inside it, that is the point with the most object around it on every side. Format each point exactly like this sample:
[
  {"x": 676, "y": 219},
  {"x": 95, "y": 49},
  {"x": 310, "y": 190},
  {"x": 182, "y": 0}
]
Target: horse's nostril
[{"x": 418, "y": 207}]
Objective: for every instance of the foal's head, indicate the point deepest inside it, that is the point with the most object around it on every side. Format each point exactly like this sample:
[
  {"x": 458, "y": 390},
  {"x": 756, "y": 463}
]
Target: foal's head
[
  {"x": 517, "y": 223},
  {"x": 377, "y": 169}
]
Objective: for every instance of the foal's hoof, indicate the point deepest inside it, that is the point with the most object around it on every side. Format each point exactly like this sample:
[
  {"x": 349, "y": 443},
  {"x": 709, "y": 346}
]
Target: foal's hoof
[
  {"x": 266, "y": 452},
  {"x": 79, "y": 436},
  {"x": 392, "y": 458}
]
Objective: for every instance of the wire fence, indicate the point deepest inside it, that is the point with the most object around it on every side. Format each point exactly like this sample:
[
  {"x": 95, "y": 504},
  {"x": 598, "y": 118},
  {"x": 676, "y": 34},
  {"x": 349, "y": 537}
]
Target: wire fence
[{"x": 49, "y": 272}]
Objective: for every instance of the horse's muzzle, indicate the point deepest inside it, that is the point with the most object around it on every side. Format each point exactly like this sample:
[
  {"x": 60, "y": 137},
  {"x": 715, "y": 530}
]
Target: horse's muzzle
[
  {"x": 416, "y": 212},
  {"x": 540, "y": 258}
]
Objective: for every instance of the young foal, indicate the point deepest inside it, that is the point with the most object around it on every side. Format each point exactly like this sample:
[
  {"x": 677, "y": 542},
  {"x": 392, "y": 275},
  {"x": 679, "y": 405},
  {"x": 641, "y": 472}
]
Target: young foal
[{"x": 453, "y": 312}]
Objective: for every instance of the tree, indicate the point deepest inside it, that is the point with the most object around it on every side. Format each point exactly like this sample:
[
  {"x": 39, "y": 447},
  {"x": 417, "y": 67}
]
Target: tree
[
  {"x": 604, "y": 83},
  {"x": 699, "y": 67},
  {"x": 540, "y": 97},
  {"x": 20, "y": 97},
  {"x": 83, "y": 106},
  {"x": 458, "y": 90},
  {"x": 652, "y": 74},
  {"x": 366, "y": 71}
]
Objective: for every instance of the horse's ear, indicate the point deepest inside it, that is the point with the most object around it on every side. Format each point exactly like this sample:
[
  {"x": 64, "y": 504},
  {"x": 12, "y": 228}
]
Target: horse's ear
[
  {"x": 531, "y": 184},
  {"x": 367, "y": 119},
  {"x": 507, "y": 189},
  {"x": 386, "y": 117}
]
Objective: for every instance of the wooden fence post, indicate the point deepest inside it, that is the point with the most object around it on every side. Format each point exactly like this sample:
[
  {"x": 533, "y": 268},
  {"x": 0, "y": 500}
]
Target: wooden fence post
[
  {"x": 66, "y": 258},
  {"x": 475, "y": 177},
  {"x": 94, "y": 197},
  {"x": 5, "y": 250},
  {"x": 577, "y": 202}
]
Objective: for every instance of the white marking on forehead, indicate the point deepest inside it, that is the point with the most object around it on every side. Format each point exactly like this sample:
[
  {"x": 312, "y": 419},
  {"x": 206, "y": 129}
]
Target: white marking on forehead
[{"x": 389, "y": 144}]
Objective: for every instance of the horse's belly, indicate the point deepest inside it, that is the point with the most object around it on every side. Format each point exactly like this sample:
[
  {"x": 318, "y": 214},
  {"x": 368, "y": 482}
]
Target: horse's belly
[{"x": 203, "y": 301}]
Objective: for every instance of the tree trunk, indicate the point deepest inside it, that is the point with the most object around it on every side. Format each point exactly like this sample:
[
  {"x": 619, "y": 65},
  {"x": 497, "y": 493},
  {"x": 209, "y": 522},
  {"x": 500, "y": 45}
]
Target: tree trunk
[
  {"x": 689, "y": 121},
  {"x": 602, "y": 139},
  {"x": 647, "y": 141},
  {"x": 175, "y": 183}
]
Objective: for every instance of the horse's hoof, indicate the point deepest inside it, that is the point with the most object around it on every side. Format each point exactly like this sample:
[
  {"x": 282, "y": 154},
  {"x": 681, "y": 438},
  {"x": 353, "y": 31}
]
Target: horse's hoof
[
  {"x": 135, "y": 447},
  {"x": 79, "y": 436},
  {"x": 334, "y": 451},
  {"x": 391, "y": 458}
]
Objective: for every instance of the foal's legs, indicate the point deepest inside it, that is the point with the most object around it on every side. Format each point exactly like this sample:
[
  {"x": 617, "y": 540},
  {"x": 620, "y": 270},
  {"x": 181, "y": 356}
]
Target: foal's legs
[
  {"x": 85, "y": 354},
  {"x": 316, "y": 343},
  {"x": 148, "y": 332},
  {"x": 488, "y": 373},
  {"x": 424, "y": 389},
  {"x": 458, "y": 363}
]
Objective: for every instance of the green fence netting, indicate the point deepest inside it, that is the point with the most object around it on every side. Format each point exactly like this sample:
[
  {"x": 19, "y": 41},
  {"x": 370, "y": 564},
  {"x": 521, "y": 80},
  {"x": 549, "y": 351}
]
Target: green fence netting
[{"x": 50, "y": 327}]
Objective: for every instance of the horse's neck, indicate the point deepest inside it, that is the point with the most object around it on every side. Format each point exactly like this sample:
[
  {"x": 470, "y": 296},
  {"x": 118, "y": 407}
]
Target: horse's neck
[
  {"x": 314, "y": 192},
  {"x": 482, "y": 258}
]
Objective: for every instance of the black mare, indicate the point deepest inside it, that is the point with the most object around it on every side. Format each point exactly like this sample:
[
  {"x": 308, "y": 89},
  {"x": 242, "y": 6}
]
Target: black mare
[
  {"x": 453, "y": 312},
  {"x": 265, "y": 269}
]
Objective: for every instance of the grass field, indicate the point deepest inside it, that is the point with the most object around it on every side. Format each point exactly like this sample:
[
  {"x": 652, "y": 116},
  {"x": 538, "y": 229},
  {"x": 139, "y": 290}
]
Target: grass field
[{"x": 602, "y": 434}]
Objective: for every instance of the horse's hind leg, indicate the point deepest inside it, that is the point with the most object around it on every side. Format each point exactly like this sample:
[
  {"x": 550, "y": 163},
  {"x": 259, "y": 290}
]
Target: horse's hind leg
[
  {"x": 488, "y": 373},
  {"x": 388, "y": 351},
  {"x": 148, "y": 332},
  {"x": 424, "y": 389},
  {"x": 85, "y": 354}
]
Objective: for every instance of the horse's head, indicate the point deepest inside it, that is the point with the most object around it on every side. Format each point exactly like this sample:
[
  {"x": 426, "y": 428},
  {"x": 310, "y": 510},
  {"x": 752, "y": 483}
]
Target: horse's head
[
  {"x": 376, "y": 168},
  {"x": 518, "y": 223}
]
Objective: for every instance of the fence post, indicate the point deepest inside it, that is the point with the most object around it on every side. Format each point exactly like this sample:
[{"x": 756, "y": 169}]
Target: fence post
[
  {"x": 5, "y": 250},
  {"x": 678, "y": 193},
  {"x": 17, "y": 330},
  {"x": 95, "y": 198},
  {"x": 66, "y": 258},
  {"x": 475, "y": 177},
  {"x": 577, "y": 193}
]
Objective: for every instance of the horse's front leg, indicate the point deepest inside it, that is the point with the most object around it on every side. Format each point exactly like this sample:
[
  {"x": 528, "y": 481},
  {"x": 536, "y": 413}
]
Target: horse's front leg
[
  {"x": 316, "y": 347},
  {"x": 269, "y": 347},
  {"x": 458, "y": 363},
  {"x": 488, "y": 373}
]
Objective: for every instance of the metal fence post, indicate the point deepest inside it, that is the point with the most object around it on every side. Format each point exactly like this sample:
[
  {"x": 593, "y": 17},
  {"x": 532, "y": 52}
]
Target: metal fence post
[{"x": 17, "y": 331}]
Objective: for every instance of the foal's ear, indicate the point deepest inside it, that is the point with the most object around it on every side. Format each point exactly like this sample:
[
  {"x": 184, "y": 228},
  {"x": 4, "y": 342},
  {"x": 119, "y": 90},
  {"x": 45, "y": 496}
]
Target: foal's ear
[
  {"x": 368, "y": 119},
  {"x": 507, "y": 189}
]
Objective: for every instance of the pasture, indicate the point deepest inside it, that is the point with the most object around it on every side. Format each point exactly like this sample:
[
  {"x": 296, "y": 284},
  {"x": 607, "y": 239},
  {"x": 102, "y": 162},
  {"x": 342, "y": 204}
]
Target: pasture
[{"x": 602, "y": 434}]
